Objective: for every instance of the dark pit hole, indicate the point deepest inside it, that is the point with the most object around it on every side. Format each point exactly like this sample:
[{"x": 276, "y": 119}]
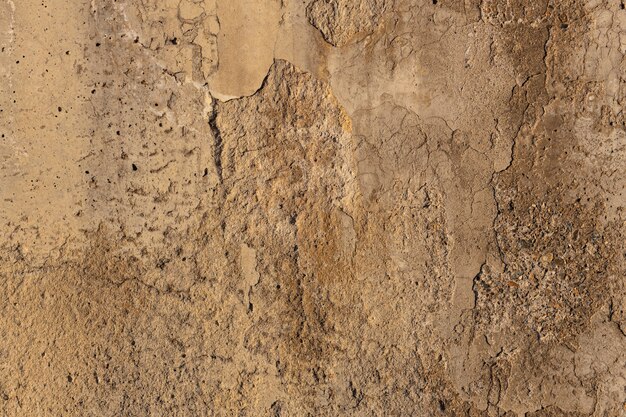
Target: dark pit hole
[{"x": 134, "y": 167}]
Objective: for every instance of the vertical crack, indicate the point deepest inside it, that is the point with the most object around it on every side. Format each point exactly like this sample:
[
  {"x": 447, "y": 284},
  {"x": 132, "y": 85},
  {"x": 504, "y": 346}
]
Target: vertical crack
[
  {"x": 217, "y": 141},
  {"x": 475, "y": 280}
]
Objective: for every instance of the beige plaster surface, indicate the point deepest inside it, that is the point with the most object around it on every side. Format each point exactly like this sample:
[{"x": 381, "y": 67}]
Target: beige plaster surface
[{"x": 312, "y": 208}]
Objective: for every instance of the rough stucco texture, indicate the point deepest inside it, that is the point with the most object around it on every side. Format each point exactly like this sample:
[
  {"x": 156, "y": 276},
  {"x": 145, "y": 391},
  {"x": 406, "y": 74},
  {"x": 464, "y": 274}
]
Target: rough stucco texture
[{"x": 313, "y": 208}]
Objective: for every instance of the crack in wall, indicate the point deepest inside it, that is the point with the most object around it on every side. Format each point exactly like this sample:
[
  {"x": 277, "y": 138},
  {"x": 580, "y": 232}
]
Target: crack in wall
[{"x": 218, "y": 144}]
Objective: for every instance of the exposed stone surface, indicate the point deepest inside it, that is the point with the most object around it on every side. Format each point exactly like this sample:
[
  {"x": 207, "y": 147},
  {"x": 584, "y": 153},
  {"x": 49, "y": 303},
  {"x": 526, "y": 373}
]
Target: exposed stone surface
[
  {"x": 341, "y": 21},
  {"x": 313, "y": 208}
]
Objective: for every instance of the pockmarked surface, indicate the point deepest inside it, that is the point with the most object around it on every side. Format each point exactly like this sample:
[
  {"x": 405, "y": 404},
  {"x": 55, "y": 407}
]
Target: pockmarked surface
[{"x": 313, "y": 208}]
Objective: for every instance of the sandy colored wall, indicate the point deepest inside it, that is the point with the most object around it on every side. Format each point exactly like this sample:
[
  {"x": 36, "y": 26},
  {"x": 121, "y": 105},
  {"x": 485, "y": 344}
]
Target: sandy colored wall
[{"x": 312, "y": 208}]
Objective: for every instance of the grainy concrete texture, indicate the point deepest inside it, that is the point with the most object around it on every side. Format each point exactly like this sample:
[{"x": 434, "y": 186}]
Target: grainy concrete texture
[{"x": 312, "y": 208}]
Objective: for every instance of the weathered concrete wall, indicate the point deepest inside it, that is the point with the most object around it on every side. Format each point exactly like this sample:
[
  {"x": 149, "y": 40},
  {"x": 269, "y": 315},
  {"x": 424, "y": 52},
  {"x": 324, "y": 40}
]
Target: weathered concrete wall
[{"x": 312, "y": 208}]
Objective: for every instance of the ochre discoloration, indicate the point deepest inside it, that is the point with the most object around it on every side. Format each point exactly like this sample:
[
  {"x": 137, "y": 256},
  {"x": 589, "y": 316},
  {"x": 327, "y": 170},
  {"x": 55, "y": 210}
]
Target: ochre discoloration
[{"x": 312, "y": 208}]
